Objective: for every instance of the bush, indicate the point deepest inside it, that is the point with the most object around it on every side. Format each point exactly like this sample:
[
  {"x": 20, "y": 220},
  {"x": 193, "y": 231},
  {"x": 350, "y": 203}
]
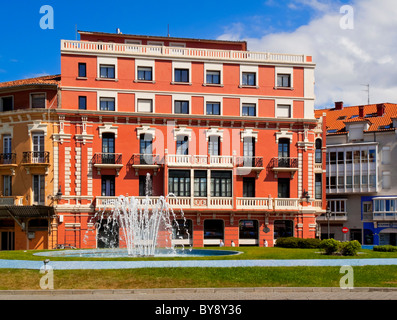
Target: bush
[
  {"x": 330, "y": 246},
  {"x": 292, "y": 242},
  {"x": 385, "y": 248},
  {"x": 350, "y": 248}
]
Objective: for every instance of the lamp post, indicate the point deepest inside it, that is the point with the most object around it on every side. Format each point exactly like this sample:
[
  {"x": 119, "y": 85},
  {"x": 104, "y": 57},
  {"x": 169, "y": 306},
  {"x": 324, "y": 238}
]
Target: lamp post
[{"x": 328, "y": 215}]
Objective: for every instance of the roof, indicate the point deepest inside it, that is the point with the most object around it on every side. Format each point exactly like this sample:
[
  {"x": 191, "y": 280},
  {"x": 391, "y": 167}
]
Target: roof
[
  {"x": 44, "y": 80},
  {"x": 337, "y": 119}
]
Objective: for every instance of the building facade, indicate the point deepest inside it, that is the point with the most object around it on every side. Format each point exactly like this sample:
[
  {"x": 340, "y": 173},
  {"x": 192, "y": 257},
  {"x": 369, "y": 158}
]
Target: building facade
[
  {"x": 361, "y": 181},
  {"x": 230, "y": 134}
]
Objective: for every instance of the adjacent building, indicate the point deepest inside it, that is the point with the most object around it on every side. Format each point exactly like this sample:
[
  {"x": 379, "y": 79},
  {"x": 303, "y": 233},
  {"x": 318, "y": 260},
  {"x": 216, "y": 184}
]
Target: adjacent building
[
  {"x": 361, "y": 177},
  {"x": 230, "y": 133}
]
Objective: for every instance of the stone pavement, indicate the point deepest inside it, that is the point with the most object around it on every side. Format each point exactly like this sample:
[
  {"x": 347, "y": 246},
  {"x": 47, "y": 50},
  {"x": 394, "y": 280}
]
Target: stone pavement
[{"x": 260, "y": 293}]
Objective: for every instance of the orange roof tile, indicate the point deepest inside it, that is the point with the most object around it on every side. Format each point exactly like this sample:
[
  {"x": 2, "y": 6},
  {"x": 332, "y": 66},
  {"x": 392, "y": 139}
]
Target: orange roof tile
[
  {"x": 46, "y": 80},
  {"x": 337, "y": 119}
]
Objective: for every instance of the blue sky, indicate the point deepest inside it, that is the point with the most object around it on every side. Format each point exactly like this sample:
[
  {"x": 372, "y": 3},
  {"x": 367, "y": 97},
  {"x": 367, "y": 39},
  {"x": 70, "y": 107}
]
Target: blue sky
[{"x": 345, "y": 59}]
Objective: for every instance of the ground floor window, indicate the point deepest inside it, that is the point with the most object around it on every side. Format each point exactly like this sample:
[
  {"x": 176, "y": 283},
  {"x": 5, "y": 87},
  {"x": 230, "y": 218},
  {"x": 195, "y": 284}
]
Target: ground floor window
[
  {"x": 213, "y": 229},
  {"x": 368, "y": 236},
  {"x": 388, "y": 239},
  {"x": 183, "y": 229},
  {"x": 7, "y": 240},
  {"x": 248, "y": 229},
  {"x": 283, "y": 228}
]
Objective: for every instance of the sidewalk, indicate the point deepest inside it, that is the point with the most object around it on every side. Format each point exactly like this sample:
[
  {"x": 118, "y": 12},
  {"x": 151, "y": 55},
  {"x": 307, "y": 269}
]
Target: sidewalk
[{"x": 261, "y": 293}]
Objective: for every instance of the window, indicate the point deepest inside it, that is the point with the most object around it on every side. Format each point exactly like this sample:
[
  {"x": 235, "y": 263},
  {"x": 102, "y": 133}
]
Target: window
[
  {"x": 341, "y": 157},
  {"x": 319, "y": 154},
  {"x": 248, "y": 229},
  {"x": 284, "y": 80},
  {"x": 214, "y": 229},
  {"x": 181, "y": 107},
  {"x": 283, "y": 228},
  {"x": 349, "y": 156},
  {"x": 7, "y": 103},
  {"x": 214, "y": 143},
  {"x": 386, "y": 155},
  {"x": 332, "y": 157},
  {"x": 107, "y": 104},
  {"x": 183, "y": 229},
  {"x": 108, "y": 148},
  {"x": 145, "y": 186},
  {"x": 213, "y": 108},
  {"x": 249, "y": 79},
  {"x": 145, "y": 73},
  {"x": 38, "y": 100},
  {"x": 318, "y": 187},
  {"x": 7, "y": 186},
  {"x": 7, "y": 141},
  {"x": 356, "y": 156},
  {"x": 249, "y": 152},
  {"x": 283, "y": 152},
  {"x": 221, "y": 184},
  {"x": 364, "y": 156},
  {"x": 181, "y": 75},
  {"x": 82, "y": 103},
  {"x": 108, "y": 186},
  {"x": 82, "y": 70},
  {"x": 146, "y": 149},
  {"x": 213, "y": 77},
  {"x": 182, "y": 145},
  {"x": 145, "y": 105},
  {"x": 283, "y": 187},
  {"x": 107, "y": 71},
  {"x": 179, "y": 183},
  {"x": 249, "y": 187},
  {"x": 249, "y": 110},
  {"x": 283, "y": 111},
  {"x": 38, "y": 148},
  {"x": 38, "y": 189},
  {"x": 372, "y": 155},
  {"x": 200, "y": 183},
  {"x": 349, "y": 182},
  {"x": 372, "y": 181}
]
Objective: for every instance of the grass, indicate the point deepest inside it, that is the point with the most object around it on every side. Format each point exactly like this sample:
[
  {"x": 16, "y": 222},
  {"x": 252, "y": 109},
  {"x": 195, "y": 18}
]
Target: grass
[{"x": 367, "y": 276}]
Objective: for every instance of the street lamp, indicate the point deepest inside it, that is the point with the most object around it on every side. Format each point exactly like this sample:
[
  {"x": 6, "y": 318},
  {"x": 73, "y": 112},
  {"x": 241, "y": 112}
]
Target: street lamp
[
  {"x": 328, "y": 215},
  {"x": 306, "y": 195}
]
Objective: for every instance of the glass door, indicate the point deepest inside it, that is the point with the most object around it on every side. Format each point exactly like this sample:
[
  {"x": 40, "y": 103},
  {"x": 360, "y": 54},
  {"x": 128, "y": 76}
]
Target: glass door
[{"x": 38, "y": 148}]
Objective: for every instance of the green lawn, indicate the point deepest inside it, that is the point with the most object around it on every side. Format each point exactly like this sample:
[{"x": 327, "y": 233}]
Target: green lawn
[{"x": 367, "y": 276}]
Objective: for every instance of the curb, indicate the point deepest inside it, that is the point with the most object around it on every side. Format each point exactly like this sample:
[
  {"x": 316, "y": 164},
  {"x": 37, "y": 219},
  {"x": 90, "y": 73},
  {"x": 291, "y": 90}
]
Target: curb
[{"x": 194, "y": 290}]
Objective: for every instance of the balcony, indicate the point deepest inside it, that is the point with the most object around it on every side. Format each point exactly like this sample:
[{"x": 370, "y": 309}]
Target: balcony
[
  {"x": 36, "y": 161},
  {"x": 11, "y": 201},
  {"x": 334, "y": 217},
  {"x": 146, "y": 162},
  {"x": 8, "y": 162},
  {"x": 284, "y": 165},
  {"x": 181, "y": 160},
  {"x": 103, "y": 203},
  {"x": 247, "y": 164},
  {"x": 121, "y": 49},
  {"x": 108, "y": 161}
]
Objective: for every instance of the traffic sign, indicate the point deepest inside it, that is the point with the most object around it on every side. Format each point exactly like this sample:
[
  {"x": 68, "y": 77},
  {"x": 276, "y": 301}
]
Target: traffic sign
[{"x": 345, "y": 230}]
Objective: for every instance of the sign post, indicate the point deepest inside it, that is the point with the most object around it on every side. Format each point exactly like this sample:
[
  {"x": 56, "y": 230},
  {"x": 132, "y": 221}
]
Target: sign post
[{"x": 345, "y": 230}]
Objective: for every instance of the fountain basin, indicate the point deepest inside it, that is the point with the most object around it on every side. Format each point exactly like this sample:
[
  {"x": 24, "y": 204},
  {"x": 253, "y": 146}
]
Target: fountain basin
[{"x": 123, "y": 253}]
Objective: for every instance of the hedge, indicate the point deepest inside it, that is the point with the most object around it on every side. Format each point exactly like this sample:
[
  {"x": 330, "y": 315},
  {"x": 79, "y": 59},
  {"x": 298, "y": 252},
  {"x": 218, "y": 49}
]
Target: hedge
[
  {"x": 292, "y": 242},
  {"x": 385, "y": 248}
]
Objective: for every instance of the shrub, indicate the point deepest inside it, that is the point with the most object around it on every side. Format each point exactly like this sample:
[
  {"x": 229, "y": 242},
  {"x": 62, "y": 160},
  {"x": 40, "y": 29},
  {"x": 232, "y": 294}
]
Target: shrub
[
  {"x": 385, "y": 248},
  {"x": 350, "y": 248},
  {"x": 330, "y": 246},
  {"x": 292, "y": 242}
]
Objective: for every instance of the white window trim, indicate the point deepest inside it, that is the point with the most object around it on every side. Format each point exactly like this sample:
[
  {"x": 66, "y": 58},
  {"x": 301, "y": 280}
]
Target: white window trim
[
  {"x": 218, "y": 99},
  {"x": 107, "y": 128},
  {"x": 213, "y": 67},
  {"x": 131, "y": 41},
  {"x": 182, "y": 131},
  {"x": 107, "y": 94},
  {"x": 146, "y": 130},
  {"x": 107, "y": 61},
  {"x": 145, "y": 63},
  {"x": 145, "y": 96},
  {"x": 155, "y": 43},
  {"x": 31, "y": 100},
  {"x": 289, "y": 102},
  {"x": 247, "y": 100},
  {"x": 10, "y": 96},
  {"x": 284, "y": 70},
  {"x": 211, "y": 132},
  {"x": 246, "y": 68},
  {"x": 181, "y": 65},
  {"x": 181, "y": 97}
]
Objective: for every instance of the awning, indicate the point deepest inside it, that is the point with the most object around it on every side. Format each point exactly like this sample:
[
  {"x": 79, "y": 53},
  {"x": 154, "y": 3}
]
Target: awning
[{"x": 26, "y": 212}]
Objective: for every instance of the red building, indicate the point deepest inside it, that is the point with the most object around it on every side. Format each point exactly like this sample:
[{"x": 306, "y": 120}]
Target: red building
[{"x": 231, "y": 133}]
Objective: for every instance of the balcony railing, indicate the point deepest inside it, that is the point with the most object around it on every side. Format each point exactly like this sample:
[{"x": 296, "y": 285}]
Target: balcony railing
[
  {"x": 199, "y": 160},
  {"x": 191, "y": 53},
  {"x": 36, "y": 157},
  {"x": 146, "y": 159},
  {"x": 8, "y": 158},
  {"x": 12, "y": 200},
  {"x": 108, "y": 158},
  {"x": 249, "y": 162},
  {"x": 284, "y": 162}
]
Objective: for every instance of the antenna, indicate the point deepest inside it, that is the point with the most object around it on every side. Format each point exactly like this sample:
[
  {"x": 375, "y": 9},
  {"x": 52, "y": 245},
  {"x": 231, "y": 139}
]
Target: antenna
[
  {"x": 75, "y": 29},
  {"x": 168, "y": 33},
  {"x": 367, "y": 90}
]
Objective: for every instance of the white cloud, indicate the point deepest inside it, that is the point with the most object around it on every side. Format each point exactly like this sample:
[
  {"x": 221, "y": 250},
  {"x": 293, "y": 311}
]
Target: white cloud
[{"x": 346, "y": 59}]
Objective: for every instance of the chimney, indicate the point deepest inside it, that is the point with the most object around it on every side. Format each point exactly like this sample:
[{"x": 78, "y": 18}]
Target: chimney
[
  {"x": 339, "y": 105},
  {"x": 361, "y": 111},
  {"x": 380, "y": 109}
]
